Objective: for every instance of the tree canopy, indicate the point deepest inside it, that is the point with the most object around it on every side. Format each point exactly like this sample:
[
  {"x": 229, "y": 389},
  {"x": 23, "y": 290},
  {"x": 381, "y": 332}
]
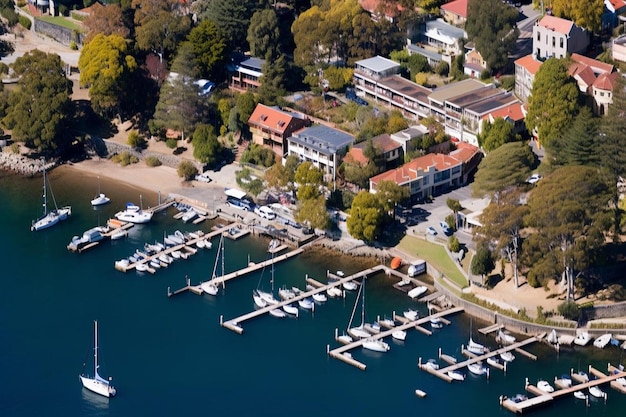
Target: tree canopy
[
  {"x": 366, "y": 217},
  {"x": 584, "y": 13},
  {"x": 264, "y": 34},
  {"x": 232, "y": 17},
  {"x": 107, "y": 20},
  {"x": 553, "y": 102},
  {"x": 206, "y": 148},
  {"x": 492, "y": 25},
  {"x": 160, "y": 25},
  {"x": 497, "y": 134},
  {"x": 38, "y": 109},
  {"x": 508, "y": 165},
  {"x": 209, "y": 48}
]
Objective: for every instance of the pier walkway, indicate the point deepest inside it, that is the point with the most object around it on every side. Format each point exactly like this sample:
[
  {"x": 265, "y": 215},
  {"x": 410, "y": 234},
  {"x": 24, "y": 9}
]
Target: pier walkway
[{"x": 340, "y": 352}]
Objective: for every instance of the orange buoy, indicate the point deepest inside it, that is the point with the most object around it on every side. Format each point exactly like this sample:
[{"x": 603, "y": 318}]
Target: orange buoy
[{"x": 396, "y": 262}]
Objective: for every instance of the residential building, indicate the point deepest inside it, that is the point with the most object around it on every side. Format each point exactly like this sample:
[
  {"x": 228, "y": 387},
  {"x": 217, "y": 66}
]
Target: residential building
[
  {"x": 455, "y": 12},
  {"x": 441, "y": 36},
  {"x": 594, "y": 78},
  {"x": 618, "y": 49},
  {"x": 525, "y": 69},
  {"x": 474, "y": 63},
  {"x": 390, "y": 150},
  {"x": 514, "y": 113},
  {"x": 613, "y": 11},
  {"x": 379, "y": 9},
  {"x": 433, "y": 174},
  {"x": 433, "y": 57},
  {"x": 404, "y": 137},
  {"x": 602, "y": 92},
  {"x": 321, "y": 145},
  {"x": 556, "y": 37},
  {"x": 245, "y": 73},
  {"x": 271, "y": 126}
]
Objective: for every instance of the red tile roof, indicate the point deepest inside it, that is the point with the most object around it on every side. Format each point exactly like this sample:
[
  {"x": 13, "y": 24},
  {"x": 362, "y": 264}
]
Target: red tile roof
[
  {"x": 617, "y": 4},
  {"x": 270, "y": 118},
  {"x": 530, "y": 63},
  {"x": 512, "y": 111},
  {"x": 582, "y": 73},
  {"x": 606, "y": 81},
  {"x": 464, "y": 151},
  {"x": 372, "y": 6},
  {"x": 408, "y": 171},
  {"x": 355, "y": 156},
  {"x": 557, "y": 24},
  {"x": 596, "y": 66},
  {"x": 458, "y": 7}
]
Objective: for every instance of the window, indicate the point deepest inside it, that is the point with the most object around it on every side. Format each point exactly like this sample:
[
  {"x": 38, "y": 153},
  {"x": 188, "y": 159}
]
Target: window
[
  {"x": 561, "y": 42},
  {"x": 538, "y": 36},
  {"x": 553, "y": 41}
]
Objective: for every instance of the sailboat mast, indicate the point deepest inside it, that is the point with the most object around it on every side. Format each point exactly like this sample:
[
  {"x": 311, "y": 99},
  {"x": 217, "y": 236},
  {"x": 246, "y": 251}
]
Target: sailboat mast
[
  {"x": 222, "y": 245},
  {"x": 95, "y": 355},
  {"x": 363, "y": 302},
  {"x": 45, "y": 196}
]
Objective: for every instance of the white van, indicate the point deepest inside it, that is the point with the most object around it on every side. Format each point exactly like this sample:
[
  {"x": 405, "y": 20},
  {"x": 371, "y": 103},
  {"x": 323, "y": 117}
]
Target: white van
[{"x": 265, "y": 212}]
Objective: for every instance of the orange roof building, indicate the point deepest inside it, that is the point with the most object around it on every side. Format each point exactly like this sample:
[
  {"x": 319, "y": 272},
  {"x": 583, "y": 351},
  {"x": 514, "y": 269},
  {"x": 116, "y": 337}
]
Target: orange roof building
[
  {"x": 271, "y": 126},
  {"x": 455, "y": 12}
]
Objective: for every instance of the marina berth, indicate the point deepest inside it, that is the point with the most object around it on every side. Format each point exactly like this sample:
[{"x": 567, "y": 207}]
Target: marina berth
[
  {"x": 602, "y": 341},
  {"x": 582, "y": 338},
  {"x": 134, "y": 214}
]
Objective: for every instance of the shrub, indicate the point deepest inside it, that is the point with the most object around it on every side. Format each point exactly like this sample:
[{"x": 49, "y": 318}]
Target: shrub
[
  {"x": 453, "y": 244},
  {"x": 569, "y": 310},
  {"x": 24, "y": 21},
  {"x": 15, "y": 148},
  {"x": 136, "y": 140},
  {"x": 73, "y": 46},
  {"x": 187, "y": 170},
  {"x": 171, "y": 143},
  {"x": 125, "y": 158},
  {"x": 153, "y": 161}
]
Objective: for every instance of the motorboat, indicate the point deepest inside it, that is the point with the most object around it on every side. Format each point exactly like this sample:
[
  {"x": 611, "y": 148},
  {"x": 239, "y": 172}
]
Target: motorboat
[
  {"x": 603, "y": 340},
  {"x": 494, "y": 361},
  {"x": 209, "y": 287},
  {"x": 142, "y": 267},
  {"x": 507, "y": 356},
  {"x": 411, "y": 314},
  {"x": 176, "y": 254},
  {"x": 291, "y": 309},
  {"x": 456, "y": 375},
  {"x": 565, "y": 381},
  {"x": 477, "y": 368},
  {"x": 350, "y": 286},
  {"x": 334, "y": 292},
  {"x": 416, "y": 268},
  {"x": 582, "y": 376},
  {"x": 432, "y": 364},
  {"x": 580, "y": 395},
  {"x": 436, "y": 323},
  {"x": 376, "y": 345},
  {"x": 100, "y": 199},
  {"x": 417, "y": 291},
  {"x": 119, "y": 234},
  {"x": 505, "y": 338},
  {"x": 341, "y": 274},
  {"x": 387, "y": 323},
  {"x": 476, "y": 348},
  {"x": 359, "y": 332},
  {"x": 276, "y": 312},
  {"x": 545, "y": 386},
  {"x": 189, "y": 215},
  {"x": 597, "y": 392},
  {"x": 165, "y": 258},
  {"x": 621, "y": 381},
  {"x": 320, "y": 297},
  {"x": 200, "y": 243},
  {"x": 96, "y": 383},
  {"x": 372, "y": 328},
  {"x": 286, "y": 294},
  {"x": 95, "y": 234},
  {"x": 404, "y": 282},
  {"x": 582, "y": 338},
  {"x": 154, "y": 263},
  {"x": 306, "y": 303},
  {"x": 52, "y": 217},
  {"x": 345, "y": 339},
  {"x": 399, "y": 335},
  {"x": 134, "y": 214},
  {"x": 518, "y": 398}
]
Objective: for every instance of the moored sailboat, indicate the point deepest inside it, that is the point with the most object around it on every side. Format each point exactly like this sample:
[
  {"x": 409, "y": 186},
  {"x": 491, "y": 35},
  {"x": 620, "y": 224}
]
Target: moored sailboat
[
  {"x": 52, "y": 217},
  {"x": 96, "y": 383},
  {"x": 210, "y": 287}
]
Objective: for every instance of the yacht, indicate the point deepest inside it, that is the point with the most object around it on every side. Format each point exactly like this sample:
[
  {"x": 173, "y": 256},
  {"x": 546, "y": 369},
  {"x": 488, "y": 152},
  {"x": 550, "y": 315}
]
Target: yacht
[
  {"x": 545, "y": 386},
  {"x": 377, "y": 345},
  {"x": 134, "y": 214}
]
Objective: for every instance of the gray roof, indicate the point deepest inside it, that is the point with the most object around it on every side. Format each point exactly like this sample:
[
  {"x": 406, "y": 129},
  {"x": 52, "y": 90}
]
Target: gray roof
[
  {"x": 424, "y": 52},
  {"x": 406, "y": 87},
  {"x": 486, "y": 106},
  {"x": 253, "y": 63},
  {"x": 446, "y": 29},
  {"x": 442, "y": 94},
  {"x": 474, "y": 96},
  {"x": 377, "y": 64},
  {"x": 323, "y": 139}
]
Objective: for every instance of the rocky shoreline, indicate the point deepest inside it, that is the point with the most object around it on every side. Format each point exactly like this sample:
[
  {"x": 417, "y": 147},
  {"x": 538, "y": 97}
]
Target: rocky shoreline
[{"x": 22, "y": 165}]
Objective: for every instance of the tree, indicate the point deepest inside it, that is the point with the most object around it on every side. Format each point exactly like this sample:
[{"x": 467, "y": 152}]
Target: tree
[
  {"x": 482, "y": 262},
  {"x": 277, "y": 176},
  {"x": 232, "y": 17},
  {"x": 107, "y": 21},
  {"x": 430, "y": 6},
  {"x": 584, "y": 13},
  {"x": 106, "y": 68},
  {"x": 160, "y": 25},
  {"x": 313, "y": 212},
  {"x": 496, "y": 134},
  {"x": 366, "y": 217},
  {"x": 258, "y": 155},
  {"x": 209, "y": 49},
  {"x": 206, "y": 146},
  {"x": 246, "y": 103},
  {"x": 507, "y": 166},
  {"x": 454, "y": 205},
  {"x": 273, "y": 80},
  {"x": 390, "y": 194},
  {"x": 264, "y": 34},
  {"x": 569, "y": 209},
  {"x": 553, "y": 103},
  {"x": 309, "y": 179},
  {"x": 491, "y": 24},
  {"x": 579, "y": 143},
  {"x": 186, "y": 170},
  {"x": 38, "y": 109}
]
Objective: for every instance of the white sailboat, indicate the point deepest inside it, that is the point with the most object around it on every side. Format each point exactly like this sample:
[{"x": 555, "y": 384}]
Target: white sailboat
[
  {"x": 96, "y": 383},
  {"x": 264, "y": 298},
  {"x": 100, "y": 199},
  {"x": 376, "y": 345},
  {"x": 210, "y": 287},
  {"x": 52, "y": 217},
  {"x": 359, "y": 332}
]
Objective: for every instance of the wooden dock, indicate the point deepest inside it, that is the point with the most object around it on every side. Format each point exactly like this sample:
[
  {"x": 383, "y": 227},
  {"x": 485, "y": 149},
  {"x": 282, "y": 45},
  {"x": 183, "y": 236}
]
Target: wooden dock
[
  {"x": 491, "y": 329},
  {"x": 113, "y": 226},
  {"x": 543, "y": 398},
  {"x": 339, "y": 353}
]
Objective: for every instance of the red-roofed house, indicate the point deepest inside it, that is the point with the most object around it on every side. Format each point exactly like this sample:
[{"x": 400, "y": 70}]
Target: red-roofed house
[
  {"x": 455, "y": 12},
  {"x": 390, "y": 150},
  {"x": 513, "y": 113},
  {"x": 271, "y": 127},
  {"x": 556, "y": 37},
  {"x": 433, "y": 174},
  {"x": 594, "y": 78},
  {"x": 613, "y": 11},
  {"x": 525, "y": 69},
  {"x": 602, "y": 92},
  {"x": 380, "y": 8}
]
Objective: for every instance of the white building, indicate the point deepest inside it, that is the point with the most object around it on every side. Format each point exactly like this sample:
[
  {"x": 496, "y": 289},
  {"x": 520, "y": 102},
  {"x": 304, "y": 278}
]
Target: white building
[{"x": 556, "y": 37}]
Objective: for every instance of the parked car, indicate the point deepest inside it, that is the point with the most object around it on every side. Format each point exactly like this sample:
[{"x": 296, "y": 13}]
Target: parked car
[
  {"x": 444, "y": 228},
  {"x": 265, "y": 212},
  {"x": 431, "y": 230},
  {"x": 204, "y": 177},
  {"x": 533, "y": 179},
  {"x": 241, "y": 204}
]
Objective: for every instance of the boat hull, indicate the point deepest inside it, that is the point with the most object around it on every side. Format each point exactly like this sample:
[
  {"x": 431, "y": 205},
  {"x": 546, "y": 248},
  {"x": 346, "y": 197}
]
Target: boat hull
[{"x": 99, "y": 387}]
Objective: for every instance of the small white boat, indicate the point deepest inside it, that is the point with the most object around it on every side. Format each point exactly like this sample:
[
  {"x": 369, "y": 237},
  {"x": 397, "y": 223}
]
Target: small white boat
[
  {"x": 258, "y": 300},
  {"x": 477, "y": 368},
  {"x": 176, "y": 254},
  {"x": 359, "y": 332},
  {"x": 345, "y": 339},
  {"x": 399, "y": 335},
  {"x": 119, "y": 234},
  {"x": 420, "y": 393},
  {"x": 411, "y": 314},
  {"x": 340, "y": 274},
  {"x": 134, "y": 214},
  {"x": 565, "y": 381},
  {"x": 582, "y": 338},
  {"x": 141, "y": 267},
  {"x": 278, "y": 313},
  {"x": 96, "y": 383},
  {"x": 376, "y": 345},
  {"x": 306, "y": 303},
  {"x": 404, "y": 282},
  {"x": 456, "y": 375},
  {"x": 154, "y": 263},
  {"x": 189, "y": 215},
  {"x": 621, "y": 381},
  {"x": 432, "y": 364},
  {"x": 286, "y": 294},
  {"x": 334, "y": 292},
  {"x": 476, "y": 348},
  {"x": 494, "y": 361},
  {"x": 580, "y": 395},
  {"x": 209, "y": 287},
  {"x": 208, "y": 244},
  {"x": 200, "y": 244},
  {"x": 505, "y": 338},
  {"x": 545, "y": 386},
  {"x": 350, "y": 286},
  {"x": 320, "y": 297},
  {"x": 518, "y": 398},
  {"x": 165, "y": 258},
  {"x": 100, "y": 200},
  {"x": 582, "y": 376},
  {"x": 436, "y": 323},
  {"x": 603, "y": 340},
  {"x": 417, "y": 291},
  {"x": 507, "y": 356},
  {"x": 597, "y": 392},
  {"x": 291, "y": 309},
  {"x": 387, "y": 323},
  {"x": 268, "y": 297}
]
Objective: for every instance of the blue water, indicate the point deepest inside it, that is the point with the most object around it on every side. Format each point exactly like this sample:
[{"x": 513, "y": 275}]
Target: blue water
[{"x": 169, "y": 356}]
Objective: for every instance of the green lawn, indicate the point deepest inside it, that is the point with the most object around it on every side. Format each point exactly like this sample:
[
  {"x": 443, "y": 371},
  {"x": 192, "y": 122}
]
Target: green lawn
[
  {"x": 435, "y": 255},
  {"x": 61, "y": 21}
]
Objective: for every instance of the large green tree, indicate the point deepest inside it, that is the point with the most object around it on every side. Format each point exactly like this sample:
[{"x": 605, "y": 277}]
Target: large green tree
[
  {"x": 492, "y": 25},
  {"x": 106, "y": 67},
  {"x": 38, "y": 108},
  {"x": 209, "y": 48},
  {"x": 231, "y": 16},
  {"x": 390, "y": 194},
  {"x": 497, "y": 134},
  {"x": 264, "y": 34},
  {"x": 206, "y": 147},
  {"x": 579, "y": 143},
  {"x": 160, "y": 25},
  {"x": 313, "y": 212},
  {"x": 568, "y": 209},
  {"x": 366, "y": 217},
  {"x": 584, "y": 13},
  {"x": 508, "y": 165},
  {"x": 553, "y": 102},
  {"x": 309, "y": 179},
  {"x": 107, "y": 20}
]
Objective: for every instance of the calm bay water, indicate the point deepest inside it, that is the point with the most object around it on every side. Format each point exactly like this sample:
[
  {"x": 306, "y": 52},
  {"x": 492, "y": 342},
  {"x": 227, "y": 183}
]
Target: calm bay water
[{"x": 170, "y": 356}]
